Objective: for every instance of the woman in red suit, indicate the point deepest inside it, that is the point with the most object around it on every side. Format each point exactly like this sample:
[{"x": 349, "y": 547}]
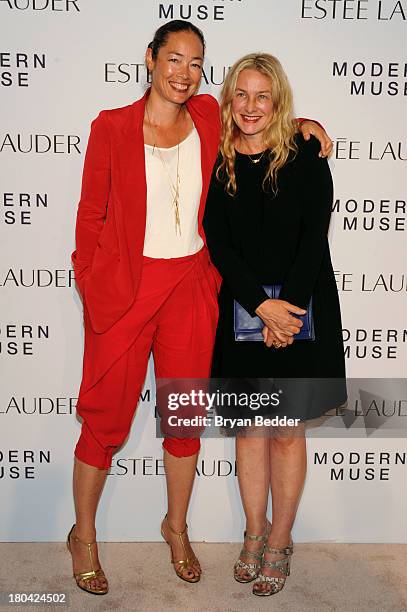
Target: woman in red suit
[{"x": 141, "y": 260}]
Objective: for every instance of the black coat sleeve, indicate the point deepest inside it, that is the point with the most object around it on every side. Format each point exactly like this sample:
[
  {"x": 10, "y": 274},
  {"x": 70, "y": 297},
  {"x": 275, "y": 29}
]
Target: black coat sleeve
[
  {"x": 315, "y": 191},
  {"x": 245, "y": 288}
]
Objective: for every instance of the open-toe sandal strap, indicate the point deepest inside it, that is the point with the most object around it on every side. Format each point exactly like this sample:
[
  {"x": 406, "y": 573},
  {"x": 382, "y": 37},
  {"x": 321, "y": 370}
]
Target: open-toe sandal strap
[
  {"x": 269, "y": 579},
  {"x": 183, "y": 564},
  {"x": 246, "y": 566},
  {"x": 259, "y": 538},
  {"x": 282, "y": 565},
  {"x": 250, "y": 568},
  {"x": 86, "y": 576},
  {"x": 178, "y": 533},
  {"x": 288, "y": 550},
  {"x": 254, "y": 538},
  {"x": 76, "y": 539},
  {"x": 252, "y": 553}
]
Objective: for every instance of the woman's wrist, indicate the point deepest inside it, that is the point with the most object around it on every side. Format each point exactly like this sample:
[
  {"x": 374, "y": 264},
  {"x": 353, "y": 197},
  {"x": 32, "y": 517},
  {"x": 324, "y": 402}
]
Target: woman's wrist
[
  {"x": 259, "y": 308},
  {"x": 262, "y": 309}
]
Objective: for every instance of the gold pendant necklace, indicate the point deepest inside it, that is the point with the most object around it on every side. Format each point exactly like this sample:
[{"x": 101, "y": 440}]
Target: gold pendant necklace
[
  {"x": 256, "y": 161},
  {"x": 174, "y": 187},
  {"x": 242, "y": 148}
]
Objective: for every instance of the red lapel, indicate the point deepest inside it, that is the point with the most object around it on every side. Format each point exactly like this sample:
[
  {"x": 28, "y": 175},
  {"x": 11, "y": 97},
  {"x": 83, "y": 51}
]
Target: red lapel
[{"x": 131, "y": 183}]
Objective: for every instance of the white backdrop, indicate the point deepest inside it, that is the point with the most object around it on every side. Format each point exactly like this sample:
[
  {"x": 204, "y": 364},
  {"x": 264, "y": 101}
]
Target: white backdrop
[{"x": 61, "y": 62}]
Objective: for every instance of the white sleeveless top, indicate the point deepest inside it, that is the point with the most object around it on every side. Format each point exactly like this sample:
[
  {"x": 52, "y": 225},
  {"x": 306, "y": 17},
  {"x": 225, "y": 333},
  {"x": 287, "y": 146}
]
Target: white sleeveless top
[{"x": 161, "y": 239}]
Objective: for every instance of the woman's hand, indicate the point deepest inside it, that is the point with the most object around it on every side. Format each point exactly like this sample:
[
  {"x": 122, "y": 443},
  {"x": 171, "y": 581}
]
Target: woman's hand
[
  {"x": 276, "y": 315},
  {"x": 308, "y": 128},
  {"x": 271, "y": 340}
]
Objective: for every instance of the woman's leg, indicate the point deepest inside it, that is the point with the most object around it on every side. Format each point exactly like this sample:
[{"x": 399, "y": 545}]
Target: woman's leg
[
  {"x": 252, "y": 459},
  {"x": 88, "y": 483},
  {"x": 288, "y": 461},
  {"x": 182, "y": 349},
  {"x": 107, "y": 410},
  {"x": 180, "y": 474}
]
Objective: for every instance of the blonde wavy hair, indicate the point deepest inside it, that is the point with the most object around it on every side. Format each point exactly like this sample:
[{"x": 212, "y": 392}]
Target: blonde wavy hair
[{"x": 279, "y": 134}]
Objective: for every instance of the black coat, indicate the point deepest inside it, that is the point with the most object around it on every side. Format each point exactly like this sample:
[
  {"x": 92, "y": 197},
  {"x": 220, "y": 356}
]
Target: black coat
[{"x": 258, "y": 238}]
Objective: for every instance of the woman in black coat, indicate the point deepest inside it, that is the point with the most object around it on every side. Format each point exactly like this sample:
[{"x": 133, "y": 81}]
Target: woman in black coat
[{"x": 266, "y": 222}]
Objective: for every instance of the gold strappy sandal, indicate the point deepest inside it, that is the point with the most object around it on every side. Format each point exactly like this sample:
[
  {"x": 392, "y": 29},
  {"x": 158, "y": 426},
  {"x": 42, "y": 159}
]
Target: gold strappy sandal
[
  {"x": 252, "y": 569},
  {"x": 86, "y": 577},
  {"x": 274, "y": 584},
  {"x": 185, "y": 564}
]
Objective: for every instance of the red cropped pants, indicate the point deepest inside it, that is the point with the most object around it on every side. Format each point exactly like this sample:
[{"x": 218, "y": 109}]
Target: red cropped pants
[{"x": 174, "y": 315}]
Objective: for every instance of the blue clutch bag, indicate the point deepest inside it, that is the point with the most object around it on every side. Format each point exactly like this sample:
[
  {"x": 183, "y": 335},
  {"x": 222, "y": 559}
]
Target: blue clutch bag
[{"x": 248, "y": 328}]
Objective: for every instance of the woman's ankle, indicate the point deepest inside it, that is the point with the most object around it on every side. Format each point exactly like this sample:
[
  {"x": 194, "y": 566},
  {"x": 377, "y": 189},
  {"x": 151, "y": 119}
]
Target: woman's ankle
[
  {"x": 256, "y": 526},
  {"x": 175, "y": 524},
  {"x": 279, "y": 539},
  {"x": 86, "y": 533}
]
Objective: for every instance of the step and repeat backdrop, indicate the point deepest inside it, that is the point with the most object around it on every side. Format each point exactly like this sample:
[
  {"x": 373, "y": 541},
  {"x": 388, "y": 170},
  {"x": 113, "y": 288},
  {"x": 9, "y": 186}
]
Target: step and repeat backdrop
[{"x": 61, "y": 62}]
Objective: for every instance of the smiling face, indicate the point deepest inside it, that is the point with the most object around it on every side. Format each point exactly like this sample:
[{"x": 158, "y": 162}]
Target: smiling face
[
  {"x": 177, "y": 69},
  {"x": 252, "y": 104}
]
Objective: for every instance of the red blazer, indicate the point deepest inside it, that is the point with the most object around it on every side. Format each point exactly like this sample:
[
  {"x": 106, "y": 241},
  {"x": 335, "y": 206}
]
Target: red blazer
[{"x": 111, "y": 217}]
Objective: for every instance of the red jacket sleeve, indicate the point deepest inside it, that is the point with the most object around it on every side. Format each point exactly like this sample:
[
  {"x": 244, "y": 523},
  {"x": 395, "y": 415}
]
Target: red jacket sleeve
[{"x": 94, "y": 198}]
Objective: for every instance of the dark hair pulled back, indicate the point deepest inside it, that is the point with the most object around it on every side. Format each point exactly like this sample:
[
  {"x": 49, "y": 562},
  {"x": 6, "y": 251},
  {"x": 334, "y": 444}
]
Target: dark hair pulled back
[{"x": 177, "y": 25}]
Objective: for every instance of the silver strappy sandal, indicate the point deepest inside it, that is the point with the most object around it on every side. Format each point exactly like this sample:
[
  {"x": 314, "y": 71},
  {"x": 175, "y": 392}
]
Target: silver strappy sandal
[
  {"x": 252, "y": 569},
  {"x": 274, "y": 584}
]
